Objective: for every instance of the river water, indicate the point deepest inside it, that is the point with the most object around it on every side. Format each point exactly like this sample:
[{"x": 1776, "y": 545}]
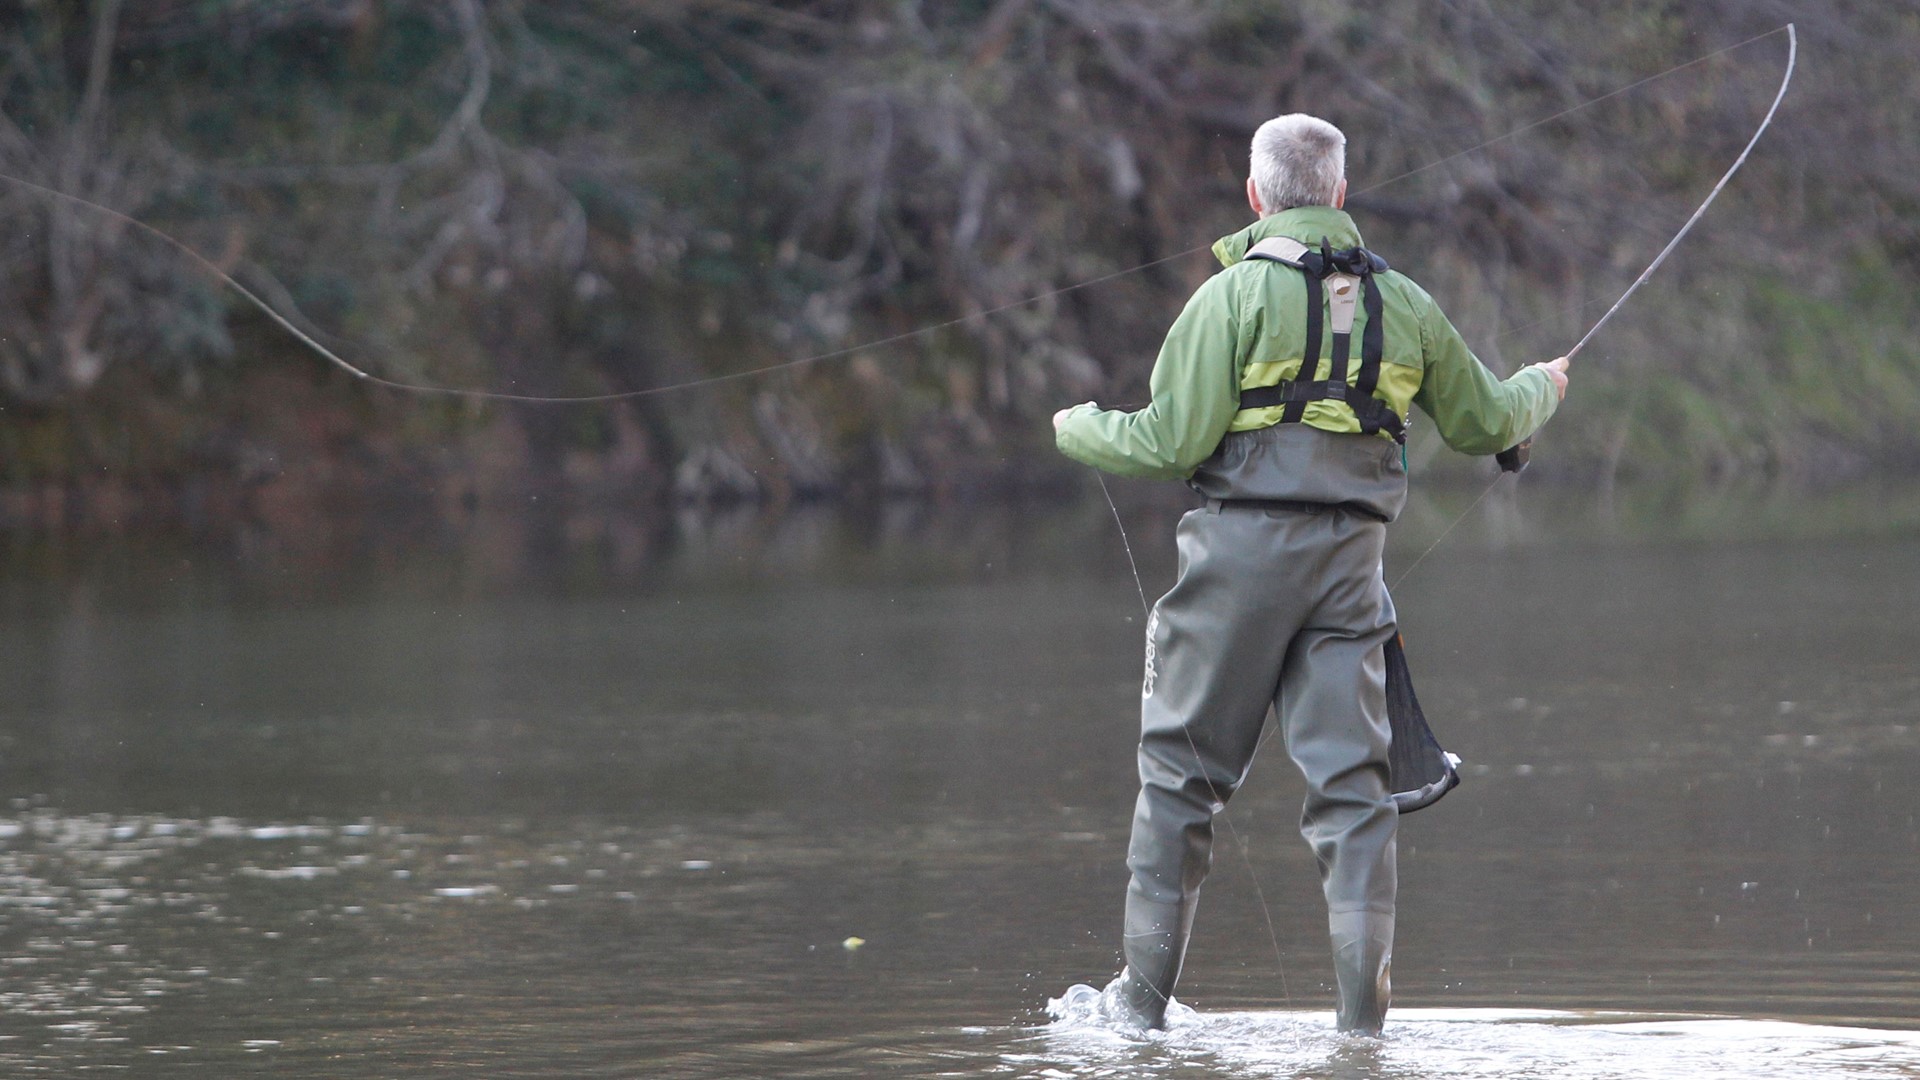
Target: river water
[{"x": 846, "y": 795}]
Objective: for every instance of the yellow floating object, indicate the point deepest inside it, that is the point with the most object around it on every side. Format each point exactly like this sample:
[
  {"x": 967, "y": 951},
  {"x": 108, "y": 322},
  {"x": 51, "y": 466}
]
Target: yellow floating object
[{"x": 853, "y": 943}]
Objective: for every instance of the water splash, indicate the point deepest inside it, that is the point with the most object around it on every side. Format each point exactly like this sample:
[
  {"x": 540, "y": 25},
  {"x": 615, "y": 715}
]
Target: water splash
[
  {"x": 1471, "y": 1044},
  {"x": 1083, "y": 1008}
]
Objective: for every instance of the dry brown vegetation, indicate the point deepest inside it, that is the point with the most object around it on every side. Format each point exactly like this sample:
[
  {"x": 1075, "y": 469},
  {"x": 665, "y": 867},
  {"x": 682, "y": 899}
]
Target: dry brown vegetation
[{"x": 603, "y": 196}]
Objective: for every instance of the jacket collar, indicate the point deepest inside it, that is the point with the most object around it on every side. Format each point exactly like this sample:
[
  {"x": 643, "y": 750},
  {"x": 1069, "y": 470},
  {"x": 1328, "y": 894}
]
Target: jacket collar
[{"x": 1306, "y": 224}]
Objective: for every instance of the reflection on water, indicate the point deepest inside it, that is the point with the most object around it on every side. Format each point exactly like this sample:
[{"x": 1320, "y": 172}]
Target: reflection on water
[
  {"x": 576, "y": 798},
  {"x": 684, "y": 951}
]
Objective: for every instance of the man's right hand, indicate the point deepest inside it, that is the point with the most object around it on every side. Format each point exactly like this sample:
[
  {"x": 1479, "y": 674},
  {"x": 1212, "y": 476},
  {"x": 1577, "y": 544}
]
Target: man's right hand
[{"x": 1556, "y": 370}]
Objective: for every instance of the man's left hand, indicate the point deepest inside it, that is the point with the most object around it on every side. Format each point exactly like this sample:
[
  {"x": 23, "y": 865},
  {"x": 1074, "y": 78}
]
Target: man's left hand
[{"x": 1062, "y": 414}]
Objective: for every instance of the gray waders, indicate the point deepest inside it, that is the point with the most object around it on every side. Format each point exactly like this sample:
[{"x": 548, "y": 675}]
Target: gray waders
[{"x": 1281, "y": 608}]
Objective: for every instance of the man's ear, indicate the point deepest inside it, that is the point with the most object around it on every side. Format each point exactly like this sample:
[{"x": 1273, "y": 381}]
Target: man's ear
[
  {"x": 1340, "y": 194},
  {"x": 1253, "y": 198}
]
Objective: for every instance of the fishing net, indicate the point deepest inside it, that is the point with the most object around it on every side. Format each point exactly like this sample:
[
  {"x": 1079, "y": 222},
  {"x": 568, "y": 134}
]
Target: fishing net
[{"x": 1419, "y": 771}]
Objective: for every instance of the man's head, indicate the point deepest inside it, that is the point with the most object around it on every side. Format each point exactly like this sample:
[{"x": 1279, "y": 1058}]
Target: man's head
[{"x": 1298, "y": 160}]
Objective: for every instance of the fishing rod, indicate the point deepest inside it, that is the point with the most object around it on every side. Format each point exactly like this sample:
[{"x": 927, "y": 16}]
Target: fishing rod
[{"x": 1514, "y": 458}]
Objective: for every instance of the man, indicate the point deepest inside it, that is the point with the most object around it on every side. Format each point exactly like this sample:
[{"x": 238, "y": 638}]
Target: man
[{"x": 1280, "y": 600}]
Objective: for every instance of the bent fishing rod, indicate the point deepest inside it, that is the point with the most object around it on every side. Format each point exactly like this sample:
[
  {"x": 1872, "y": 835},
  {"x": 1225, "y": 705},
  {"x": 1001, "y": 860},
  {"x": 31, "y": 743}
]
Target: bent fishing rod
[
  {"x": 1514, "y": 459},
  {"x": 207, "y": 266}
]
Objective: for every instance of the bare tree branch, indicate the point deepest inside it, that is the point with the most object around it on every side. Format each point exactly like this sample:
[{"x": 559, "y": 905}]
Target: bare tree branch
[{"x": 74, "y": 312}]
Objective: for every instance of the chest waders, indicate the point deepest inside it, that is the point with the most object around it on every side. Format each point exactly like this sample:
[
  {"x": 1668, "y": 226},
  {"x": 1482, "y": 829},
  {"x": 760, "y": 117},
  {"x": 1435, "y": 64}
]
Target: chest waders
[{"x": 1421, "y": 772}]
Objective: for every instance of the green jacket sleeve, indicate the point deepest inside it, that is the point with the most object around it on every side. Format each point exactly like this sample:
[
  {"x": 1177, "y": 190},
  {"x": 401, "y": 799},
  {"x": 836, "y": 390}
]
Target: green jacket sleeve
[
  {"x": 1195, "y": 385},
  {"x": 1475, "y": 412}
]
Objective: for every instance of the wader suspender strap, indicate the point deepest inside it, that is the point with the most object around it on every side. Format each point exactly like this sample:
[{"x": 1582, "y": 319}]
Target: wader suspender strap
[
  {"x": 1350, "y": 271},
  {"x": 1310, "y": 365}
]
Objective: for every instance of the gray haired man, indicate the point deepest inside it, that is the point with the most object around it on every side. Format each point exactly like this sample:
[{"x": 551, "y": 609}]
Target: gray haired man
[{"x": 1261, "y": 405}]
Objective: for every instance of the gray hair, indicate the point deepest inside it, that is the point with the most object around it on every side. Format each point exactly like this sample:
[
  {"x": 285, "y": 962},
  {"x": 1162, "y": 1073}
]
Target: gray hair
[{"x": 1298, "y": 160}]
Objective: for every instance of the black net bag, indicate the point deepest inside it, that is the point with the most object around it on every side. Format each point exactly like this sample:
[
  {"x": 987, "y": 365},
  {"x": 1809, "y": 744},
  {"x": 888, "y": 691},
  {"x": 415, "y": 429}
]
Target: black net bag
[{"x": 1419, "y": 772}]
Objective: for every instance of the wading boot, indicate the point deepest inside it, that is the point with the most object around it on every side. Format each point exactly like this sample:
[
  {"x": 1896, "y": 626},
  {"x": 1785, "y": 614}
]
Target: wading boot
[
  {"x": 1362, "y": 959},
  {"x": 1154, "y": 939},
  {"x": 1129, "y": 1002}
]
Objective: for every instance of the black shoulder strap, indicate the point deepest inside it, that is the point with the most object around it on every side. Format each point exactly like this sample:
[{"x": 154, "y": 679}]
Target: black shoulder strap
[{"x": 1310, "y": 362}]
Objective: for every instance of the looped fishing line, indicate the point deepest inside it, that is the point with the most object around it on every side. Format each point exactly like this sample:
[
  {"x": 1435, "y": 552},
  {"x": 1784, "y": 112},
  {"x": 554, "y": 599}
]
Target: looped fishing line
[
  {"x": 357, "y": 372},
  {"x": 284, "y": 323}
]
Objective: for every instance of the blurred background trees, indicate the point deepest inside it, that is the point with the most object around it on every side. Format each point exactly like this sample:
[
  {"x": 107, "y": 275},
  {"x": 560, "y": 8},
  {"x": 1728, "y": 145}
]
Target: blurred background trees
[{"x": 608, "y": 195}]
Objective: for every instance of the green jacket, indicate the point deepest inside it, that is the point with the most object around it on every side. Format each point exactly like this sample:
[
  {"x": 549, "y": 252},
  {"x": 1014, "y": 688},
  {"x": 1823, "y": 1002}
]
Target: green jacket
[{"x": 1246, "y": 327}]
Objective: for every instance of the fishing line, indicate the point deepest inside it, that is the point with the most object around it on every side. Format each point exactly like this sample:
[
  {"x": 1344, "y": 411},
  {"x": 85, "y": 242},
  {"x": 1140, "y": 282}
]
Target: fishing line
[
  {"x": 1591, "y": 101},
  {"x": 1145, "y": 608},
  {"x": 1259, "y": 894},
  {"x": 542, "y": 399},
  {"x": 363, "y": 375},
  {"x": 1464, "y": 514},
  {"x": 417, "y": 388}
]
